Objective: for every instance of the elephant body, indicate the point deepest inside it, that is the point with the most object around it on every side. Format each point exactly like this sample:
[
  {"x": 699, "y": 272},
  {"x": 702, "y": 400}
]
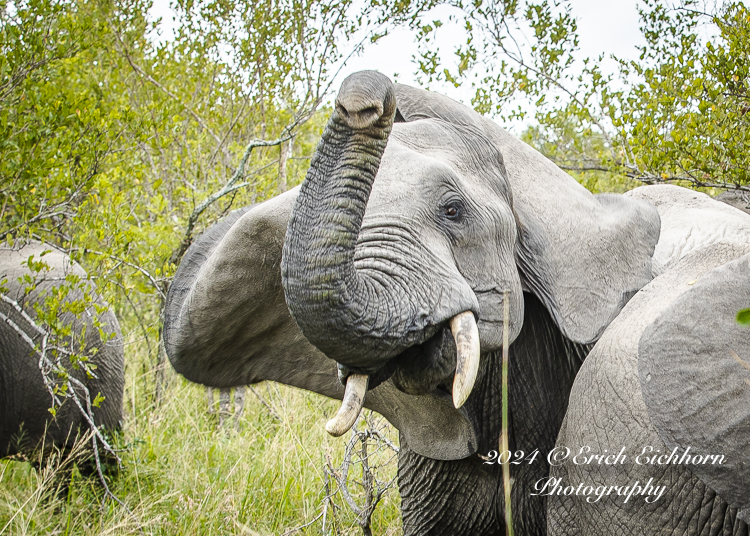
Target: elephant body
[
  {"x": 417, "y": 211},
  {"x": 27, "y": 428},
  {"x": 438, "y": 496},
  {"x": 670, "y": 372},
  {"x": 466, "y": 496}
]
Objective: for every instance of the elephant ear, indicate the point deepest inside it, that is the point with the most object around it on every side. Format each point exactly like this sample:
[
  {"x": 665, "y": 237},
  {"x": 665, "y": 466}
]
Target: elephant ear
[
  {"x": 694, "y": 368},
  {"x": 224, "y": 309},
  {"x": 583, "y": 256},
  {"x": 227, "y": 324}
]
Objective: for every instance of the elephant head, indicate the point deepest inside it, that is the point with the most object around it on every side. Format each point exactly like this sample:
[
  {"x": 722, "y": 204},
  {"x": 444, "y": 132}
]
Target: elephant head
[
  {"x": 416, "y": 211},
  {"x": 400, "y": 228},
  {"x": 737, "y": 199}
]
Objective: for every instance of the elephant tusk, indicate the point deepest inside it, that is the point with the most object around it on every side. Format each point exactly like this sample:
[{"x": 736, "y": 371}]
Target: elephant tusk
[
  {"x": 466, "y": 335},
  {"x": 351, "y": 405}
]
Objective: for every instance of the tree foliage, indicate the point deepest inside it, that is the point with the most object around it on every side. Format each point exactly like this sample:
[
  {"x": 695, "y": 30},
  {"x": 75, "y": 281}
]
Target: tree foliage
[
  {"x": 678, "y": 113},
  {"x": 687, "y": 116},
  {"x": 120, "y": 146},
  {"x": 52, "y": 136}
]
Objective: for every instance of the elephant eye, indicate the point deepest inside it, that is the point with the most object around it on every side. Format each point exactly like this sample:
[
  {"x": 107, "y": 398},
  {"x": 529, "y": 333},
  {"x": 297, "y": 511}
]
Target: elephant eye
[{"x": 452, "y": 211}]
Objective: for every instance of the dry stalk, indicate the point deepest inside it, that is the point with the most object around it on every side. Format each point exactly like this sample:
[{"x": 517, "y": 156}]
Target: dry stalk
[{"x": 362, "y": 449}]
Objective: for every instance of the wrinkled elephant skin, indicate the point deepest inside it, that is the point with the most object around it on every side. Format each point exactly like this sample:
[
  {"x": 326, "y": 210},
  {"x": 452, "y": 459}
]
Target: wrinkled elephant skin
[
  {"x": 416, "y": 212},
  {"x": 26, "y": 425}
]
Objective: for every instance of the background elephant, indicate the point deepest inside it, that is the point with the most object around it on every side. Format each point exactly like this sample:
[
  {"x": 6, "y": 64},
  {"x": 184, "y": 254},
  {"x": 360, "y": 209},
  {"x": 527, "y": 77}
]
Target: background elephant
[
  {"x": 737, "y": 199},
  {"x": 671, "y": 372},
  {"x": 26, "y": 424},
  {"x": 375, "y": 268}
]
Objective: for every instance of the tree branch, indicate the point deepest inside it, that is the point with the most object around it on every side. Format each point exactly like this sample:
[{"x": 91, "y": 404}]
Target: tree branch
[
  {"x": 231, "y": 185},
  {"x": 156, "y": 83}
]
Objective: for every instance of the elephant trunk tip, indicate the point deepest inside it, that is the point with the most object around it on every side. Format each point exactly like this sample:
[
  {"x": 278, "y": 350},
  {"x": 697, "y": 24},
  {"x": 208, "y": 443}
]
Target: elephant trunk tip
[{"x": 366, "y": 99}]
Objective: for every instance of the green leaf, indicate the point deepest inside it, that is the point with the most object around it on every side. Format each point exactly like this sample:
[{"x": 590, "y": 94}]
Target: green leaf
[
  {"x": 743, "y": 317},
  {"x": 98, "y": 400}
]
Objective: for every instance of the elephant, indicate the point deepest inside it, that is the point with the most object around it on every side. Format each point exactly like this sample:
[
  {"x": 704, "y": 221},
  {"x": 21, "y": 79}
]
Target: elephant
[
  {"x": 674, "y": 371},
  {"x": 737, "y": 199},
  {"x": 382, "y": 280},
  {"x": 28, "y": 430}
]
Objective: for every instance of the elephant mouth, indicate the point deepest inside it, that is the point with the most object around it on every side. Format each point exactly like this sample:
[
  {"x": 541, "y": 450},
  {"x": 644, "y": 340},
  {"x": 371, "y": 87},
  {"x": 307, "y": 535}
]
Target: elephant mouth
[{"x": 453, "y": 351}]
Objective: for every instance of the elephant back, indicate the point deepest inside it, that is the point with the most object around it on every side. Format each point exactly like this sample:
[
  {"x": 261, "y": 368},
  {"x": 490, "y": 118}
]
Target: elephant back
[{"x": 26, "y": 423}]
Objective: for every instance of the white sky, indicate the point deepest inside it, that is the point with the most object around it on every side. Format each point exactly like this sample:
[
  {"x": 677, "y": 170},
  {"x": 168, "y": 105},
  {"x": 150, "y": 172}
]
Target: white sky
[{"x": 609, "y": 27}]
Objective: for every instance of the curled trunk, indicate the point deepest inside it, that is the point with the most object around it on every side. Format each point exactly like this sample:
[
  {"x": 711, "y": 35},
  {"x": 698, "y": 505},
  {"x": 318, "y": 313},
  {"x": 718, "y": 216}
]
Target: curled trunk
[{"x": 338, "y": 308}]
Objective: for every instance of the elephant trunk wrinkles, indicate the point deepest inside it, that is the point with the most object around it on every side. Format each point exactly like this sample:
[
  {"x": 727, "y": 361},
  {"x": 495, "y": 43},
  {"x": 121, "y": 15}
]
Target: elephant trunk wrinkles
[{"x": 336, "y": 306}]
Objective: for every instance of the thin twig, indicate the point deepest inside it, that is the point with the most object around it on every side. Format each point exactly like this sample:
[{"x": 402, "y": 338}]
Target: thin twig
[
  {"x": 266, "y": 404},
  {"x": 295, "y": 529},
  {"x": 141, "y": 269}
]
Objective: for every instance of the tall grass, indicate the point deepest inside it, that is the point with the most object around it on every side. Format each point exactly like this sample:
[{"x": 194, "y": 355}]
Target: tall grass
[{"x": 183, "y": 475}]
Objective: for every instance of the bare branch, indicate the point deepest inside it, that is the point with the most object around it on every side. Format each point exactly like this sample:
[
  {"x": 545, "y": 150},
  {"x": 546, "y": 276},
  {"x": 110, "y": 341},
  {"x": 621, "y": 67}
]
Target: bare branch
[
  {"x": 151, "y": 278},
  {"x": 266, "y": 404},
  {"x": 373, "y": 489},
  {"x": 233, "y": 183},
  {"x": 297, "y": 529},
  {"x": 39, "y": 217},
  {"x": 582, "y": 168},
  {"x": 649, "y": 178}
]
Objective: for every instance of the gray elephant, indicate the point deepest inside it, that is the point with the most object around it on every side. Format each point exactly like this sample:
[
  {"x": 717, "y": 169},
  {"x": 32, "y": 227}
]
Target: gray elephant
[
  {"x": 27, "y": 428},
  {"x": 737, "y": 199},
  {"x": 387, "y": 270},
  {"x": 668, "y": 387}
]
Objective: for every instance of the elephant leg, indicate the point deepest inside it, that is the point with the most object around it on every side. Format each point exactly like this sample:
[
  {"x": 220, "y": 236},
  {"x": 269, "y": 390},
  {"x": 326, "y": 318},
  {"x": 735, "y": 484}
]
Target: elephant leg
[
  {"x": 225, "y": 404},
  {"x": 448, "y": 497},
  {"x": 224, "y": 412},
  {"x": 239, "y": 405},
  {"x": 210, "y": 400}
]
